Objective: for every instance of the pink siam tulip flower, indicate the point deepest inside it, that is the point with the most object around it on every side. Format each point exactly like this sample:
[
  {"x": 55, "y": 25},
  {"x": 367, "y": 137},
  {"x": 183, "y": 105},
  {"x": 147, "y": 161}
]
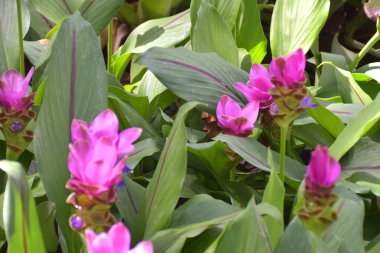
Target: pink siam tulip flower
[
  {"x": 94, "y": 159},
  {"x": 288, "y": 71},
  {"x": 258, "y": 86},
  {"x": 14, "y": 90},
  {"x": 323, "y": 170},
  {"x": 117, "y": 240},
  {"x": 235, "y": 120}
]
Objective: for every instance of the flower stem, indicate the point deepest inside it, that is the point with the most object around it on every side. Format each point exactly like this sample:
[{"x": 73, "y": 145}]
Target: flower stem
[
  {"x": 284, "y": 132},
  {"x": 110, "y": 45},
  {"x": 375, "y": 38},
  {"x": 20, "y": 38}
]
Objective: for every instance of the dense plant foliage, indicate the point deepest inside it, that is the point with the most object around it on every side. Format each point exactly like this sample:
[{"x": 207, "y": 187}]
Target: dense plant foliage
[{"x": 190, "y": 126}]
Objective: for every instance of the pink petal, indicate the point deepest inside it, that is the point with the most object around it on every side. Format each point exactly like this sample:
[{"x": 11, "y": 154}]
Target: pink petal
[
  {"x": 27, "y": 80},
  {"x": 105, "y": 124},
  {"x": 251, "y": 111},
  {"x": 79, "y": 130},
  {"x": 258, "y": 70},
  {"x": 231, "y": 108},
  {"x": 97, "y": 174},
  {"x": 79, "y": 156},
  {"x": 105, "y": 149},
  {"x": 13, "y": 81},
  {"x": 120, "y": 237},
  {"x": 100, "y": 244},
  {"x": 143, "y": 247},
  {"x": 126, "y": 139}
]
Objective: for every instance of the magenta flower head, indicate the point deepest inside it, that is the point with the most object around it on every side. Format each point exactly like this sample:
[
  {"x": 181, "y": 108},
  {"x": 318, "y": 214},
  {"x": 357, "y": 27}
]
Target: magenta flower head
[
  {"x": 117, "y": 240},
  {"x": 323, "y": 170},
  {"x": 14, "y": 96},
  {"x": 96, "y": 155},
  {"x": 235, "y": 120},
  {"x": 258, "y": 86},
  {"x": 288, "y": 71}
]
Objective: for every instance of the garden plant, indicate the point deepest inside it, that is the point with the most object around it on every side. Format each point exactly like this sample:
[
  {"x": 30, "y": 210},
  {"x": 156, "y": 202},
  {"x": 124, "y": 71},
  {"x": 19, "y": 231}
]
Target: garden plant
[{"x": 167, "y": 126}]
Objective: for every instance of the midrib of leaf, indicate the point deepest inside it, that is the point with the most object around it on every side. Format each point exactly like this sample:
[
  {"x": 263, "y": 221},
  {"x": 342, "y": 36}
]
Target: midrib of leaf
[{"x": 73, "y": 74}]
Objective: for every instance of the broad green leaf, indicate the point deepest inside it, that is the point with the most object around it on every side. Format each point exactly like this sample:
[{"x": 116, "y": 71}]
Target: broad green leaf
[
  {"x": 374, "y": 245},
  {"x": 129, "y": 199},
  {"x": 194, "y": 76},
  {"x": 129, "y": 117},
  {"x": 210, "y": 25},
  {"x": 213, "y": 155},
  {"x": 173, "y": 239},
  {"x": 367, "y": 84},
  {"x": 256, "y": 154},
  {"x": 138, "y": 102},
  {"x": 375, "y": 188},
  {"x": 356, "y": 128},
  {"x": 74, "y": 89},
  {"x": 363, "y": 157},
  {"x": 151, "y": 9},
  {"x": 296, "y": 24},
  {"x": 9, "y": 42},
  {"x": 372, "y": 70},
  {"x": 200, "y": 208},
  {"x": 46, "y": 212},
  {"x": 346, "y": 85},
  {"x": 164, "y": 32},
  {"x": 326, "y": 119},
  {"x": 312, "y": 135},
  {"x": 21, "y": 222},
  {"x": 246, "y": 233},
  {"x": 274, "y": 194},
  {"x": 150, "y": 86},
  {"x": 249, "y": 31},
  {"x": 143, "y": 149},
  {"x": 99, "y": 12},
  {"x": 165, "y": 187}
]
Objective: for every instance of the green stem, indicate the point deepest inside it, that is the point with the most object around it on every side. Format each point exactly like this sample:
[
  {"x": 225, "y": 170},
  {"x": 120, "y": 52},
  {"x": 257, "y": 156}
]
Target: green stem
[
  {"x": 375, "y": 38},
  {"x": 109, "y": 46},
  {"x": 284, "y": 132},
  {"x": 20, "y": 38}
]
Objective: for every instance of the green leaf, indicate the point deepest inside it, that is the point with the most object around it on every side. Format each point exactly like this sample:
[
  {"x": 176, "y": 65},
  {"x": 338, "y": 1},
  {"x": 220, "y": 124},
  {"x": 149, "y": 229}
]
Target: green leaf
[
  {"x": 150, "y": 86},
  {"x": 194, "y": 76},
  {"x": 246, "y": 233},
  {"x": 256, "y": 154},
  {"x": 143, "y": 149},
  {"x": 346, "y": 85},
  {"x": 214, "y": 156},
  {"x": 249, "y": 31},
  {"x": 9, "y": 42},
  {"x": 21, "y": 223},
  {"x": 99, "y": 12},
  {"x": 74, "y": 89},
  {"x": 304, "y": 21},
  {"x": 210, "y": 25},
  {"x": 356, "y": 128},
  {"x": 129, "y": 117},
  {"x": 129, "y": 199},
  {"x": 274, "y": 194},
  {"x": 363, "y": 157},
  {"x": 46, "y": 212},
  {"x": 151, "y": 9},
  {"x": 312, "y": 135},
  {"x": 200, "y": 208},
  {"x": 173, "y": 239},
  {"x": 164, "y": 190},
  {"x": 164, "y": 32}
]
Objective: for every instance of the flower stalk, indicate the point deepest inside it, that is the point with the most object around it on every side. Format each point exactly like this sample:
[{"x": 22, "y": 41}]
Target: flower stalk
[
  {"x": 284, "y": 132},
  {"x": 20, "y": 38},
  {"x": 110, "y": 45}
]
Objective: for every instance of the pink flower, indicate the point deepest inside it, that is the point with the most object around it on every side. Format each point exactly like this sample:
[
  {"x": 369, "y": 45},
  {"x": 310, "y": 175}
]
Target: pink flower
[
  {"x": 323, "y": 170},
  {"x": 117, "y": 240},
  {"x": 14, "y": 90},
  {"x": 258, "y": 86},
  {"x": 289, "y": 71},
  {"x": 94, "y": 159},
  {"x": 235, "y": 120}
]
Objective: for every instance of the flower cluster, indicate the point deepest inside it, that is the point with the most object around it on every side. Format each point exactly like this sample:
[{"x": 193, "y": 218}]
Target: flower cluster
[
  {"x": 96, "y": 161},
  {"x": 280, "y": 89},
  {"x": 117, "y": 240},
  {"x": 323, "y": 171},
  {"x": 16, "y": 113}
]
